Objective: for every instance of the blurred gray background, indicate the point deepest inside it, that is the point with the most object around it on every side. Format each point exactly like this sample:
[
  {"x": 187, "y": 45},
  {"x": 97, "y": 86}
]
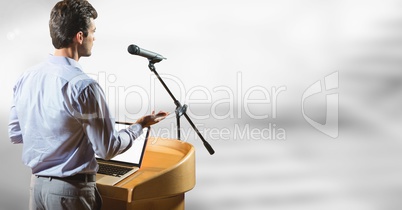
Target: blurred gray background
[{"x": 242, "y": 67}]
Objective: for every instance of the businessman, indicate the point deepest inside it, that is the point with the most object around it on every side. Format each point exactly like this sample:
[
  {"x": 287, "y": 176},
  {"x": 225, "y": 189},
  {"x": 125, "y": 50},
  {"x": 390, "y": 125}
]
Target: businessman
[{"x": 61, "y": 118}]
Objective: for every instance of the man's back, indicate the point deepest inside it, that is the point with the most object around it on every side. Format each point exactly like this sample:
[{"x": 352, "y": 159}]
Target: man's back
[{"x": 46, "y": 102}]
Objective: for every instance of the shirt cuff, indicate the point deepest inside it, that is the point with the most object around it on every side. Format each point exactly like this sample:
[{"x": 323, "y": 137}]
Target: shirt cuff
[
  {"x": 128, "y": 135},
  {"x": 135, "y": 130}
]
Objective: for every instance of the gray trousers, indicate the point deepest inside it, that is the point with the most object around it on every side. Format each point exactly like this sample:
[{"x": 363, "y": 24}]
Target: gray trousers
[{"x": 55, "y": 194}]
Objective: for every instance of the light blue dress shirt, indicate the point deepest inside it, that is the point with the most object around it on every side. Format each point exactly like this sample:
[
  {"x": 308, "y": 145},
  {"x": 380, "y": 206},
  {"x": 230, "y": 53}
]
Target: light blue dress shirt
[{"x": 61, "y": 117}]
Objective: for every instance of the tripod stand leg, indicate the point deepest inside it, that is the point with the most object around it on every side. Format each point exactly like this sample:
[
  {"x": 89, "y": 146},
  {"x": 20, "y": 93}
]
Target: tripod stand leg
[{"x": 178, "y": 126}]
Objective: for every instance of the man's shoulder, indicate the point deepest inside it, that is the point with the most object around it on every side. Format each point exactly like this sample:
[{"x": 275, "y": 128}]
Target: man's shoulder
[
  {"x": 75, "y": 76},
  {"x": 79, "y": 80},
  {"x": 72, "y": 77}
]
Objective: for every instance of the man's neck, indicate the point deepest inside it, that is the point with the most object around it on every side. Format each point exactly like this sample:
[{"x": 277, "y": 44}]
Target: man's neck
[{"x": 67, "y": 52}]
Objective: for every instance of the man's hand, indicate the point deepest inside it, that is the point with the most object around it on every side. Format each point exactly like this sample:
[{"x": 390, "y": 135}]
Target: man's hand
[{"x": 151, "y": 119}]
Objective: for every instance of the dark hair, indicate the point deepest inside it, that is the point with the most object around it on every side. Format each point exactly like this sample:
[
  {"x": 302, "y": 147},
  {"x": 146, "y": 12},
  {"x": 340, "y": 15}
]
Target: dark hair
[{"x": 67, "y": 18}]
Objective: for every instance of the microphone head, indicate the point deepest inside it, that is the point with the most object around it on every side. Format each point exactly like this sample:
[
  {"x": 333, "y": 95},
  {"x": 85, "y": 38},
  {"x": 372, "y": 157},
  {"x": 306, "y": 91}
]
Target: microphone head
[{"x": 133, "y": 49}]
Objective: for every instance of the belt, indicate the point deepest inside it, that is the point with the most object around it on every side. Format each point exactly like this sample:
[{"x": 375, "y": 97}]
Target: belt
[{"x": 77, "y": 177}]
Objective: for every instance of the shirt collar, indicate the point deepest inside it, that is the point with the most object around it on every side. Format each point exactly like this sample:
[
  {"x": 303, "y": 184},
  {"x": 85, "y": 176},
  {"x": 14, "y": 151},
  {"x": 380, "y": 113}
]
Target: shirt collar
[{"x": 61, "y": 60}]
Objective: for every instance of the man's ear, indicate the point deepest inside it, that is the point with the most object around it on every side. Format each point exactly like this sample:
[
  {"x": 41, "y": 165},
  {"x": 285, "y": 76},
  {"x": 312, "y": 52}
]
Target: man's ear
[{"x": 79, "y": 37}]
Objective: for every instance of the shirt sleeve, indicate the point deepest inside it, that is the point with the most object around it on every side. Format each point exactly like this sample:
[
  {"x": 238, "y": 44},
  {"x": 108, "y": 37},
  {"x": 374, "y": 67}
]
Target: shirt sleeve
[
  {"x": 14, "y": 130},
  {"x": 100, "y": 127}
]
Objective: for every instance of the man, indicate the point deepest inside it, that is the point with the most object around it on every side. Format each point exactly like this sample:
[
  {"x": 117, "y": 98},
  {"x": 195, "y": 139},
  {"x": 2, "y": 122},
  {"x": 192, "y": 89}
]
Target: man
[{"x": 61, "y": 117}]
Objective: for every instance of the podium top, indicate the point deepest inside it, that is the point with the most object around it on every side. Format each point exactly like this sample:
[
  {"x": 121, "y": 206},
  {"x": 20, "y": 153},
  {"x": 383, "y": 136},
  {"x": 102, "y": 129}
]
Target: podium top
[{"x": 168, "y": 169}]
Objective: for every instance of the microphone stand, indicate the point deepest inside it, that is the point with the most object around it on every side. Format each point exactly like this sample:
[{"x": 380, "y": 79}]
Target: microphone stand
[{"x": 180, "y": 109}]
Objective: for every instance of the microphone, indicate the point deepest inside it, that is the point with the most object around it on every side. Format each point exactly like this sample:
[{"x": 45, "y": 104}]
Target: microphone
[{"x": 152, "y": 57}]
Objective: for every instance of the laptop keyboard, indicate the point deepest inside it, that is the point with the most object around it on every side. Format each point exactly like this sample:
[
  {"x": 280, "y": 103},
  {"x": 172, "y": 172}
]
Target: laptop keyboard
[{"x": 113, "y": 170}]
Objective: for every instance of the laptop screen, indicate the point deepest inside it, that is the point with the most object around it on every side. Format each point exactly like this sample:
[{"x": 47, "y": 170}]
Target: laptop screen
[{"x": 135, "y": 153}]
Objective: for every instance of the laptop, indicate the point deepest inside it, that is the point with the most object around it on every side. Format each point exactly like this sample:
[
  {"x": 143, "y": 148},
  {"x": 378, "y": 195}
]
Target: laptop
[{"x": 113, "y": 171}]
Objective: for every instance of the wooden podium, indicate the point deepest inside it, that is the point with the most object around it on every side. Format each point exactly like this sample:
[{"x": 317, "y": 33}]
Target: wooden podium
[{"x": 167, "y": 172}]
